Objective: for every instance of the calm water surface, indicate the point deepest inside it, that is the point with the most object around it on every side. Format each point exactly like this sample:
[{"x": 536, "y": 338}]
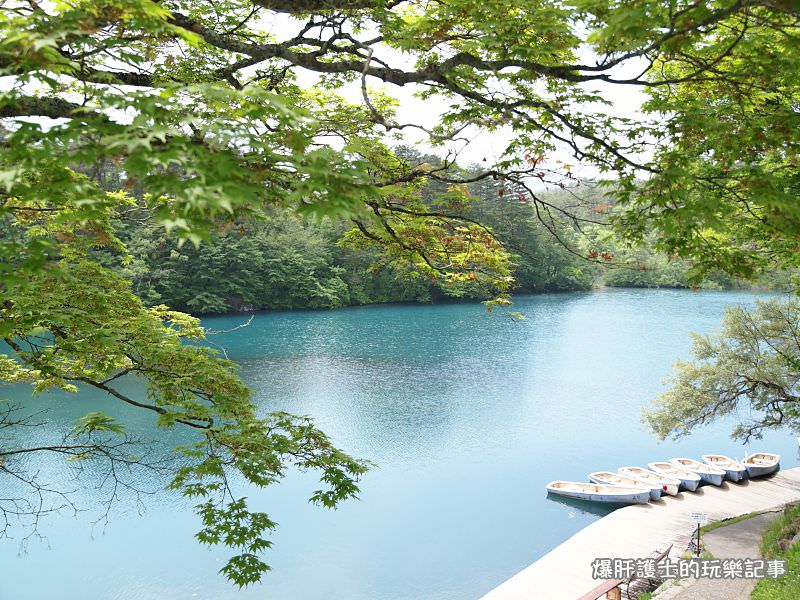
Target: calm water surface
[{"x": 468, "y": 416}]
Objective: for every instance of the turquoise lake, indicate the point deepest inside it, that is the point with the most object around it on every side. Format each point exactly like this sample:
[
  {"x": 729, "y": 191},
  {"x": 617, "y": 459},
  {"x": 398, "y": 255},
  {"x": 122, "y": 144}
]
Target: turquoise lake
[{"x": 467, "y": 414}]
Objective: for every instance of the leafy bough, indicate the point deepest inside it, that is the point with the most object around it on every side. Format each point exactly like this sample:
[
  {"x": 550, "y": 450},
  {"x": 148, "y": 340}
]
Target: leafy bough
[
  {"x": 96, "y": 333},
  {"x": 751, "y": 367}
]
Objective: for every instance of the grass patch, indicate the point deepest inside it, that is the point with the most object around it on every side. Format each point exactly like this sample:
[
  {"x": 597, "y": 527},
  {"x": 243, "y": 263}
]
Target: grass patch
[
  {"x": 774, "y": 544},
  {"x": 704, "y": 555},
  {"x": 726, "y": 522}
]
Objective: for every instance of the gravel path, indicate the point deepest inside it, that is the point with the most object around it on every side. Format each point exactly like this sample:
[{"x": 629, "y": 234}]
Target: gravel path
[
  {"x": 565, "y": 573},
  {"x": 740, "y": 540}
]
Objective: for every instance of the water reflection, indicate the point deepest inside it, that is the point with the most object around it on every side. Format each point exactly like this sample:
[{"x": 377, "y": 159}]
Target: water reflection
[{"x": 584, "y": 507}]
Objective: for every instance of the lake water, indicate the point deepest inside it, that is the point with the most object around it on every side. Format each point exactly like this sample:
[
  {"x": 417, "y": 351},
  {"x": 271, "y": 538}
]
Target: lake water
[{"x": 468, "y": 416}]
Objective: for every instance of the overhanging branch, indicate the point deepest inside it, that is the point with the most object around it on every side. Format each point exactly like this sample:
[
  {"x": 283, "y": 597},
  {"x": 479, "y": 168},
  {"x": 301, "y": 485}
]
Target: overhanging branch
[{"x": 55, "y": 108}]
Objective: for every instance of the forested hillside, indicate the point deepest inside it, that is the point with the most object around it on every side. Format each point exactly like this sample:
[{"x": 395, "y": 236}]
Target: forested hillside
[{"x": 284, "y": 261}]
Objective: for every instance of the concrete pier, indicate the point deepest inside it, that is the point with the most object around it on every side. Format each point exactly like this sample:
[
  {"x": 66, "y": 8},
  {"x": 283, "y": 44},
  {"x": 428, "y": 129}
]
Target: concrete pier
[{"x": 565, "y": 573}]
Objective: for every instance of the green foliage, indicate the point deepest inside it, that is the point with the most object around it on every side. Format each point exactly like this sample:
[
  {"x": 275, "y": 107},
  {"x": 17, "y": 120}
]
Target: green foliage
[
  {"x": 279, "y": 263},
  {"x": 724, "y": 192},
  {"x": 776, "y": 543},
  {"x": 753, "y": 364},
  {"x": 286, "y": 262},
  {"x": 543, "y": 260},
  {"x": 97, "y": 421},
  {"x": 142, "y": 86},
  {"x": 240, "y": 529},
  {"x": 82, "y": 325},
  {"x": 201, "y": 112},
  {"x": 642, "y": 266}
]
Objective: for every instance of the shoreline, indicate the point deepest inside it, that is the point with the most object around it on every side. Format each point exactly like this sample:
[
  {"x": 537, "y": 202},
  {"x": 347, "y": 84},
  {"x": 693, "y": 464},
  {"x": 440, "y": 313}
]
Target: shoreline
[
  {"x": 565, "y": 573},
  {"x": 475, "y": 301}
]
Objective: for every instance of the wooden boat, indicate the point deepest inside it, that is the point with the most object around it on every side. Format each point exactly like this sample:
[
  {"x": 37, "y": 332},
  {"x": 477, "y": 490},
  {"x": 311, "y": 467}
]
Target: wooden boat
[
  {"x": 669, "y": 485},
  {"x": 759, "y": 464},
  {"x": 688, "y": 480},
  {"x": 707, "y": 473},
  {"x": 734, "y": 470},
  {"x": 609, "y": 477},
  {"x": 599, "y": 493}
]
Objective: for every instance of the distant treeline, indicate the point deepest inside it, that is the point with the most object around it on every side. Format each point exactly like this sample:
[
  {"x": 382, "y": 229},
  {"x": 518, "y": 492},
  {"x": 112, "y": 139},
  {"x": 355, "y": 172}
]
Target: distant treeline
[{"x": 285, "y": 262}]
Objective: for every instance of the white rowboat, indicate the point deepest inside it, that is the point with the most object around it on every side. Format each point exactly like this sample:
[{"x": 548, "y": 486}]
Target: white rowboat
[
  {"x": 734, "y": 470},
  {"x": 707, "y": 473},
  {"x": 761, "y": 463},
  {"x": 688, "y": 480},
  {"x": 599, "y": 493},
  {"x": 669, "y": 485},
  {"x": 609, "y": 477}
]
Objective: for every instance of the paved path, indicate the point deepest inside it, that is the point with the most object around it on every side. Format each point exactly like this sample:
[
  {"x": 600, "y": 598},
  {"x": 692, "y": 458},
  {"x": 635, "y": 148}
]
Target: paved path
[
  {"x": 740, "y": 540},
  {"x": 565, "y": 573}
]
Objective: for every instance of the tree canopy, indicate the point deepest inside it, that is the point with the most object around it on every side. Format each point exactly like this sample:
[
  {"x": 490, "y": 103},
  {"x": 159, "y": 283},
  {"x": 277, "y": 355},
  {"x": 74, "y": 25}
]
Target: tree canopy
[
  {"x": 215, "y": 113},
  {"x": 750, "y": 369}
]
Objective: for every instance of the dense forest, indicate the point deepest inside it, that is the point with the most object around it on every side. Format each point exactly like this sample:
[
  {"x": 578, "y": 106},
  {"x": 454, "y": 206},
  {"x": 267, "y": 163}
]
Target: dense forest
[{"x": 285, "y": 261}]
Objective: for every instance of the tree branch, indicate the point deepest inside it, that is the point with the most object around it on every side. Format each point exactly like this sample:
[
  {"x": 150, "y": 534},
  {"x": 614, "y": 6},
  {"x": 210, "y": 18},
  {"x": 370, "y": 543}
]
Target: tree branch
[{"x": 32, "y": 106}]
